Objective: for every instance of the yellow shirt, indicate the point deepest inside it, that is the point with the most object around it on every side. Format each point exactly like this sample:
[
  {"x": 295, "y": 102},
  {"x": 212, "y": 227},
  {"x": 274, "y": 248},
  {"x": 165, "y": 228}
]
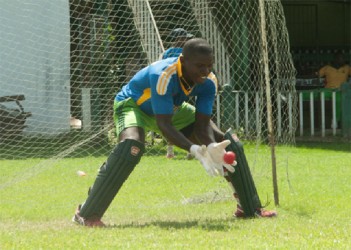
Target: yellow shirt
[{"x": 335, "y": 77}]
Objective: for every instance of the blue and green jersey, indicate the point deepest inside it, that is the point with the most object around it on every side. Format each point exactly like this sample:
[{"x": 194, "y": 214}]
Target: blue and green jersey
[{"x": 157, "y": 89}]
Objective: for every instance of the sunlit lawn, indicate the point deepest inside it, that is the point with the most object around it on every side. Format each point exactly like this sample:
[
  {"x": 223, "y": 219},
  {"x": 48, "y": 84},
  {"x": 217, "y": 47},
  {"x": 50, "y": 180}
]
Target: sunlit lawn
[{"x": 174, "y": 204}]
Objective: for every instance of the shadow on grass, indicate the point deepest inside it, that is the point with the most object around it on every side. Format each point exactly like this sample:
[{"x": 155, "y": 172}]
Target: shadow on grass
[
  {"x": 335, "y": 146},
  {"x": 208, "y": 224}
]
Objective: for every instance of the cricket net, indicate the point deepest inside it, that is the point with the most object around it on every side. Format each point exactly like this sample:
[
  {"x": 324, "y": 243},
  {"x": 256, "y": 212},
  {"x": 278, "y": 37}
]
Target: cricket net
[{"x": 65, "y": 61}]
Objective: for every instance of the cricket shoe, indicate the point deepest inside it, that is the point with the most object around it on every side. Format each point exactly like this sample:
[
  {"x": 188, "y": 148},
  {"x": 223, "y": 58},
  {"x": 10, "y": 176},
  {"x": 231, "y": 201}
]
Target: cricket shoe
[
  {"x": 260, "y": 212},
  {"x": 169, "y": 155},
  {"x": 170, "y": 152},
  {"x": 189, "y": 156},
  {"x": 266, "y": 213},
  {"x": 90, "y": 222},
  {"x": 239, "y": 213}
]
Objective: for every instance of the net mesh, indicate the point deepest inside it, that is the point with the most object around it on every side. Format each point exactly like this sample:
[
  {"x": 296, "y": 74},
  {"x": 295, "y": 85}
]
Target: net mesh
[{"x": 63, "y": 62}]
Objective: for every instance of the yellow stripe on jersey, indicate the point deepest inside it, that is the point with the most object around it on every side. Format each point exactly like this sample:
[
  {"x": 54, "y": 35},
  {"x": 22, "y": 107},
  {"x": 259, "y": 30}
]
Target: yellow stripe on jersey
[
  {"x": 179, "y": 68},
  {"x": 214, "y": 79},
  {"x": 164, "y": 79},
  {"x": 180, "y": 76},
  {"x": 144, "y": 97},
  {"x": 183, "y": 88}
]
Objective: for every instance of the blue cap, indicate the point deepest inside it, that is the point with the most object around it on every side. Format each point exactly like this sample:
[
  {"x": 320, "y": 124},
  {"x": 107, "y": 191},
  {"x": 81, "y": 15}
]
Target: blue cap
[{"x": 180, "y": 32}]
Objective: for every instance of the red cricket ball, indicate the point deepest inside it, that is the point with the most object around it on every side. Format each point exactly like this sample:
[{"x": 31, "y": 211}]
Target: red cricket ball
[{"x": 229, "y": 157}]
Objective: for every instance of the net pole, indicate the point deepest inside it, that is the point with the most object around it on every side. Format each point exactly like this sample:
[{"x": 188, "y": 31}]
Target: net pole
[{"x": 269, "y": 100}]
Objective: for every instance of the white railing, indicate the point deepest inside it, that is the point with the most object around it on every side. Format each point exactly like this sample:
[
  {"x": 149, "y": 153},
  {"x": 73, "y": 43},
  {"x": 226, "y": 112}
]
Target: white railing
[
  {"x": 248, "y": 112},
  {"x": 314, "y": 99},
  {"x": 248, "y": 115},
  {"x": 147, "y": 28}
]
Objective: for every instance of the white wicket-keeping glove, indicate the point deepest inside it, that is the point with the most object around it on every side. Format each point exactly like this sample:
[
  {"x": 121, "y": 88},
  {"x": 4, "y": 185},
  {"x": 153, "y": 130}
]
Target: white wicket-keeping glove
[
  {"x": 200, "y": 153},
  {"x": 217, "y": 152}
]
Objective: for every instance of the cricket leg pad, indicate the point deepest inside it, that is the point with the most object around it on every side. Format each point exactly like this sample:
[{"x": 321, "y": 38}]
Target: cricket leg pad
[
  {"x": 112, "y": 174},
  {"x": 242, "y": 180}
]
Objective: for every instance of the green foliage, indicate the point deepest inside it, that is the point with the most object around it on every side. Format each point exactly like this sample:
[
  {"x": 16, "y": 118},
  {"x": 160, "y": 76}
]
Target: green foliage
[{"x": 174, "y": 204}]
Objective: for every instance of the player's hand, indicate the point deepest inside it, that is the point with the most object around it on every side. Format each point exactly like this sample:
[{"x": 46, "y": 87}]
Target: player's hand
[
  {"x": 217, "y": 151},
  {"x": 200, "y": 153}
]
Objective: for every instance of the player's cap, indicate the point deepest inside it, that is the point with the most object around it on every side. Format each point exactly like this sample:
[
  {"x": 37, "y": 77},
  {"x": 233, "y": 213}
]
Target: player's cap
[{"x": 180, "y": 32}]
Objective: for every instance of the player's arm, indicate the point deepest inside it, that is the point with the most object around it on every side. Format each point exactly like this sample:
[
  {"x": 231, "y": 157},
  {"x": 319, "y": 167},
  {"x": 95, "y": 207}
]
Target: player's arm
[
  {"x": 200, "y": 152},
  {"x": 203, "y": 132},
  {"x": 203, "y": 129},
  {"x": 164, "y": 122},
  {"x": 212, "y": 158}
]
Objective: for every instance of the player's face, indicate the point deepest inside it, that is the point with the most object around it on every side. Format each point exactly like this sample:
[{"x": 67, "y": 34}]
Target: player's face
[{"x": 197, "y": 68}]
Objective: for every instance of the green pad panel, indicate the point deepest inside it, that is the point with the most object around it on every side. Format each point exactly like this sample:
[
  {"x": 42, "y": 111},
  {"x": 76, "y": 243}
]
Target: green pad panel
[
  {"x": 112, "y": 174},
  {"x": 242, "y": 179}
]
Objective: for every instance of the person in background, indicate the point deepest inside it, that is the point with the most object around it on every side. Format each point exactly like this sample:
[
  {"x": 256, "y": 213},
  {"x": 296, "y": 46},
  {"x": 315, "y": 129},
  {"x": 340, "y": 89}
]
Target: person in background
[
  {"x": 179, "y": 36},
  {"x": 335, "y": 75}
]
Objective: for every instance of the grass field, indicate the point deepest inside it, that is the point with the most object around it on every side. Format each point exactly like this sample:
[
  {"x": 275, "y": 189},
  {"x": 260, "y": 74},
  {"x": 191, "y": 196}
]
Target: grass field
[{"x": 174, "y": 204}]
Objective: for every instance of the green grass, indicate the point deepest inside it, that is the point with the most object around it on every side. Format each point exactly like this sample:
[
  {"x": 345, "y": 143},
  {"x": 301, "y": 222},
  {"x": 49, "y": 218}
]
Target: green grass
[{"x": 174, "y": 204}]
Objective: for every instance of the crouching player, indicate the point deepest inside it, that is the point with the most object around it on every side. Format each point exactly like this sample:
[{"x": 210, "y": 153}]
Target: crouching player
[{"x": 155, "y": 99}]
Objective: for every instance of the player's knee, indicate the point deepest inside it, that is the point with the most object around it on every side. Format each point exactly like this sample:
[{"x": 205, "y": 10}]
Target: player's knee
[
  {"x": 130, "y": 149},
  {"x": 132, "y": 133}
]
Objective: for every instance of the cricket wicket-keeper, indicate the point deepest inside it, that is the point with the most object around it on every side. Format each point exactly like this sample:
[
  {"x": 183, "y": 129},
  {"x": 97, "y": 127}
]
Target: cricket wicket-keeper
[{"x": 155, "y": 99}]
